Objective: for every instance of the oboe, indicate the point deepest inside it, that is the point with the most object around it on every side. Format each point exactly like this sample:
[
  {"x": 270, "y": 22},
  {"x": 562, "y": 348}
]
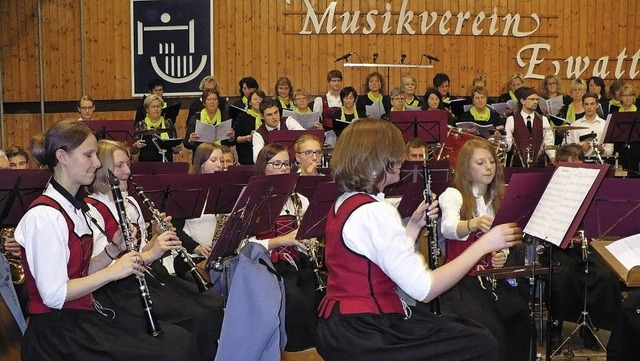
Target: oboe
[
  {"x": 432, "y": 231},
  {"x": 203, "y": 285},
  {"x": 153, "y": 327}
]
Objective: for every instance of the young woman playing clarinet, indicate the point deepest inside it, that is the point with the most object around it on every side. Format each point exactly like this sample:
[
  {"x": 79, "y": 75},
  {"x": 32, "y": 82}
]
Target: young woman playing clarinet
[
  {"x": 174, "y": 300},
  {"x": 369, "y": 254},
  {"x": 468, "y": 209},
  {"x": 61, "y": 273}
]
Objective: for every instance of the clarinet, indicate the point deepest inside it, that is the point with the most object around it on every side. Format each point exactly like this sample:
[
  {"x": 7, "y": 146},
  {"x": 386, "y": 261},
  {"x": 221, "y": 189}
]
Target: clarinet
[
  {"x": 203, "y": 285},
  {"x": 432, "y": 232},
  {"x": 153, "y": 327}
]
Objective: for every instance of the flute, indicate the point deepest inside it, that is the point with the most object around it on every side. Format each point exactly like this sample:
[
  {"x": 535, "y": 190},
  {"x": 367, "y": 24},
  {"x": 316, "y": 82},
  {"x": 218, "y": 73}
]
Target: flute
[
  {"x": 153, "y": 327},
  {"x": 432, "y": 230}
]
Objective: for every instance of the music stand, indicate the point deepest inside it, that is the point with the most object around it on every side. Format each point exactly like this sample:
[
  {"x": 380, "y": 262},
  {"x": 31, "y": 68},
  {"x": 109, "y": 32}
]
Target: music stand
[
  {"x": 224, "y": 190},
  {"x": 255, "y": 213},
  {"x": 119, "y": 130},
  {"x": 180, "y": 196},
  {"x": 153, "y": 168},
  {"x": 165, "y": 145},
  {"x": 171, "y": 112},
  {"x": 308, "y": 184},
  {"x": 411, "y": 184},
  {"x": 241, "y": 168},
  {"x": 614, "y": 210},
  {"x": 510, "y": 171},
  {"x": 428, "y": 125},
  {"x": 560, "y": 210},
  {"x": 623, "y": 127},
  {"x": 288, "y": 137},
  {"x": 18, "y": 189},
  {"x": 315, "y": 218}
]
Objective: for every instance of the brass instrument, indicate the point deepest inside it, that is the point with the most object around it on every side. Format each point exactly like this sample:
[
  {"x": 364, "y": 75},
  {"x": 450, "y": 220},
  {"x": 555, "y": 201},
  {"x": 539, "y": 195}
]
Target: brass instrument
[
  {"x": 221, "y": 220},
  {"x": 153, "y": 327},
  {"x": 203, "y": 285},
  {"x": 15, "y": 265},
  {"x": 315, "y": 250}
]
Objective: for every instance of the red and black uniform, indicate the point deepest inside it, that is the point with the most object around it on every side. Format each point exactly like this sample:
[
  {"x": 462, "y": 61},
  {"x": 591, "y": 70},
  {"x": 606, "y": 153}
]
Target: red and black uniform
[{"x": 362, "y": 317}]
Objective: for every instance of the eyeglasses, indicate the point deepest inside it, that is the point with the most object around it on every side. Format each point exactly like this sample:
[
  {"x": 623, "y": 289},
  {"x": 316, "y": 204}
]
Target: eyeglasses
[
  {"x": 309, "y": 153},
  {"x": 86, "y": 108},
  {"x": 301, "y": 99},
  {"x": 278, "y": 164}
]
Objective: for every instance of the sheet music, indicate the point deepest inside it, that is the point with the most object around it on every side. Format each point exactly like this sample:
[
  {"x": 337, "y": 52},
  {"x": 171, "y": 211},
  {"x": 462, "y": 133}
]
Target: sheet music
[
  {"x": 413, "y": 109},
  {"x": 555, "y": 104},
  {"x": 307, "y": 120},
  {"x": 466, "y": 107},
  {"x": 375, "y": 111},
  {"x": 600, "y": 111},
  {"x": 627, "y": 251},
  {"x": 213, "y": 133},
  {"x": 560, "y": 203},
  {"x": 500, "y": 108},
  {"x": 330, "y": 139},
  {"x": 544, "y": 106}
]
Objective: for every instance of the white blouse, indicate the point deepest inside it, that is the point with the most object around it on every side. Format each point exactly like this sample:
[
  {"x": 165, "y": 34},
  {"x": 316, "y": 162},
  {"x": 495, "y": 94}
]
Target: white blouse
[
  {"x": 375, "y": 231},
  {"x": 44, "y": 234}
]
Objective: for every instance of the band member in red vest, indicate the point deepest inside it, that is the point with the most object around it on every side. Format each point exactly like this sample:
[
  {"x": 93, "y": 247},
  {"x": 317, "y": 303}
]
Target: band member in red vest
[
  {"x": 174, "y": 300},
  {"x": 468, "y": 208},
  {"x": 61, "y": 274},
  {"x": 271, "y": 121},
  {"x": 529, "y": 133},
  {"x": 370, "y": 255}
]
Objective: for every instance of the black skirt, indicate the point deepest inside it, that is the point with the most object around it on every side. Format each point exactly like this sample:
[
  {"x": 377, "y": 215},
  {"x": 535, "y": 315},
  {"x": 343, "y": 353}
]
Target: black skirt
[
  {"x": 88, "y": 335},
  {"x": 301, "y": 303},
  {"x": 422, "y": 336},
  {"x": 506, "y": 317},
  {"x": 174, "y": 300}
]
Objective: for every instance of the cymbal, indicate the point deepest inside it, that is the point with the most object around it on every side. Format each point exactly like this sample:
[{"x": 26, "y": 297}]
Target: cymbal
[{"x": 565, "y": 127}]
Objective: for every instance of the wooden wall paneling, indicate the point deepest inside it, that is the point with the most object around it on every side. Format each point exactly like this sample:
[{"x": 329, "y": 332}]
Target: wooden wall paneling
[
  {"x": 231, "y": 39},
  {"x": 122, "y": 51},
  {"x": 633, "y": 38}
]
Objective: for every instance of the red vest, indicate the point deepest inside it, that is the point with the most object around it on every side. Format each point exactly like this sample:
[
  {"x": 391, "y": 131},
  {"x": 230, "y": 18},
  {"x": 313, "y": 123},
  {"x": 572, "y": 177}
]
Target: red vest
[
  {"x": 525, "y": 139},
  {"x": 80, "y": 248},
  {"x": 355, "y": 283},
  {"x": 328, "y": 113},
  {"x": 284, "y": 224},
  {"x": 111, "y": 225},
  {"x": 262, "y": 130},
  {"x": 456, "y": 247}
]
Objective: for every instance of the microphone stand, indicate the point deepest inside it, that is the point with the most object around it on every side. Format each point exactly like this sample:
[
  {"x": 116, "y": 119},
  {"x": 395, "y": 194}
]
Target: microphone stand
[{"x": 584, "y": 321}]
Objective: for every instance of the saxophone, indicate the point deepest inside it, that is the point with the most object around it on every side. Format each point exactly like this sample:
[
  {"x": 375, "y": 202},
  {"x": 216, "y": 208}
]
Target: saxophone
[
  {"x": 153, "y": 327},
  {"x": 315, "y": 250},
  {"x": 15, "y": 265},
  {"x": 203, "y": 285}
]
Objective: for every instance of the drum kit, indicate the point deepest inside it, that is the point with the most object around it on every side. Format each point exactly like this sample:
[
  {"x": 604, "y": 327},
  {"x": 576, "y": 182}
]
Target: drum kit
[{"x": 456, "y": 138}]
